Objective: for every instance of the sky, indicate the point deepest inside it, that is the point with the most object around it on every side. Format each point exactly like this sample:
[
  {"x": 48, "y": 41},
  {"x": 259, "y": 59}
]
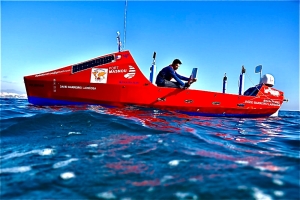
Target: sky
[{"x": 217, "y": 37}]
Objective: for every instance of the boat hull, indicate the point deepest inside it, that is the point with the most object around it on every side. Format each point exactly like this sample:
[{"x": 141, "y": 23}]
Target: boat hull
[{"x": 117, "y": 81}]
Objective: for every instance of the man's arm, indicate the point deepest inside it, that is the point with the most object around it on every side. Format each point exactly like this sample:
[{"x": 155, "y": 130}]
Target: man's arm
[
  {"x": 182, "y": 77},
  {"x": 174, "y": 75}
]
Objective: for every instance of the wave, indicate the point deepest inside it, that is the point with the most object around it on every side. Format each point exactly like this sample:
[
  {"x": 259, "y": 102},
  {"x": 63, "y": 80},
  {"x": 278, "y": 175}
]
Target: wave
[
  {"x": 96, "y": 152},
  {"x": 82, "y": 121}
]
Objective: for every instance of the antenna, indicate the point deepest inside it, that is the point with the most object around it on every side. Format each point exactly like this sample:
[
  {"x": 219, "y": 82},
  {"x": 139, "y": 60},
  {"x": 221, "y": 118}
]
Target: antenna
[
  {"x": 125, "y": 13},
  {"x": 258, "y": 69},
  {"x": 224, "y": 83},
  {"x": 241, "y": 81},
  {"x": 118, "y": 41},
  {"x": 153, "y": 69}
]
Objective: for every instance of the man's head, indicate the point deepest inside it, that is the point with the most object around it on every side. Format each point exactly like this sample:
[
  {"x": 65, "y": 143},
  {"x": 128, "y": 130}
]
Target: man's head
[{"x": 176, "y": 63}]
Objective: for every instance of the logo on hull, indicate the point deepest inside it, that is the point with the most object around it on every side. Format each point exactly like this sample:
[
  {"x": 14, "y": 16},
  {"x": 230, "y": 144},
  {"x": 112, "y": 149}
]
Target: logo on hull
[
  {"x": 130, "y": 73},
  {"x": 99, "y": 75},
  {"x": 272, "y": 92}
]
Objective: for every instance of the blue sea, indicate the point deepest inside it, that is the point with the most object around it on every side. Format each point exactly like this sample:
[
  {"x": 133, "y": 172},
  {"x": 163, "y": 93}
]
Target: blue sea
[{"x": 93, "y": 152}]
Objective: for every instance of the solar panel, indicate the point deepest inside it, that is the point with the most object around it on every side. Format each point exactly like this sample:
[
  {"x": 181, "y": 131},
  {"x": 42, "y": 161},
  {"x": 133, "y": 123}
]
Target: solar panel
[{"x": 92, "y": 63}]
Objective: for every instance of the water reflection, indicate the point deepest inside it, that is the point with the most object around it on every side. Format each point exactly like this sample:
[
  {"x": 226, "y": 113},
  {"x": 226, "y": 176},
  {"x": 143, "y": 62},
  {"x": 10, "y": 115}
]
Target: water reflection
[{"x": 147, "y": 117}]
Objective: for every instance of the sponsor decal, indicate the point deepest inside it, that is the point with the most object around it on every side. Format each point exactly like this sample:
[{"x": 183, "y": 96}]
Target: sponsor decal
[
  {"x": 128, "y": 82},
  {"x": 52, "y": 73},
  {"x": 128, "y": 72},
  {"x": 116, "y": 70},
  {"x": 272, "y": 92},
  {"x": 99, "y": 75}
]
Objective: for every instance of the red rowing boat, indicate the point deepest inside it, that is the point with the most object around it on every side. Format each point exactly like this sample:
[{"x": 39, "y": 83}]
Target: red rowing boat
[{"x": 116, "y": 80}]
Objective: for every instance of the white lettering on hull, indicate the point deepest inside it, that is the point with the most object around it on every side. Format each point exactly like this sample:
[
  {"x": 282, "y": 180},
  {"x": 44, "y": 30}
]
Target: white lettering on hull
[
  {"x": 118, "y": 71},
  {"x": 76, "y": 87},
  {"x": 52, "y": 73},
  {"x": 265, "y": 102}
]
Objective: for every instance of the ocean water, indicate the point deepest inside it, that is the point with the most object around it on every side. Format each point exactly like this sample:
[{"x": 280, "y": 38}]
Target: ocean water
[{"x": 92, "y": 152}]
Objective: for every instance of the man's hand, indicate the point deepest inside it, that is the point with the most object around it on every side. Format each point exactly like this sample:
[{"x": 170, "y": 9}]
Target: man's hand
[
  {"x": 193, "y": 80},
  {"x": 186, "y": 85}
]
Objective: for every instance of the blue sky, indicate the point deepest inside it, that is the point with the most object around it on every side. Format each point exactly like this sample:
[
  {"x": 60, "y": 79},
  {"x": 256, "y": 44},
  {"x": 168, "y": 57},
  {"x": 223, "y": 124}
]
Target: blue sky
[{"x": 216, "y": 37}]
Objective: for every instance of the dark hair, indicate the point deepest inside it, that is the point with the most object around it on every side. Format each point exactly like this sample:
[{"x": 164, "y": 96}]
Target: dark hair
[{"x": 176, "y": 61}]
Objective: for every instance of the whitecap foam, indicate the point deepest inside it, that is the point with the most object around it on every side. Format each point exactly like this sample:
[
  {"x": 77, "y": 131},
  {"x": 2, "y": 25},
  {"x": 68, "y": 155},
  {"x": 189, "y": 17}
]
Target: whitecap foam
[
  {"x": 46, "y": 152},
  {"x": 74, "y": 133},
  {"x": 67, "y": 175},
  {"x": 64, "y": 163},
  {"x": 92, "y": 145},
  {"x": 243, "y": 162},
  {"x": 277, "y": 182},
  {"x": 41, "y": 152},
  {"x": 242, "y": 187},
  {"x": 278, "y": 193},
  {"x": 15, "y": 169},
  {"x": 193, "y": 179},
  {"x": 126, "y": 156},
  {"x": 166, "y": 178},
  {"x": 106, "y": 195},
  {"x": 174, "y": 163},
  {"x": 98, "y": 156},
  {"x": 14, "y": 155},
  {"x": 259, "y": 195},
  {"x": 150, "y": 189},
  {"x": 186, "y": 195}
]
